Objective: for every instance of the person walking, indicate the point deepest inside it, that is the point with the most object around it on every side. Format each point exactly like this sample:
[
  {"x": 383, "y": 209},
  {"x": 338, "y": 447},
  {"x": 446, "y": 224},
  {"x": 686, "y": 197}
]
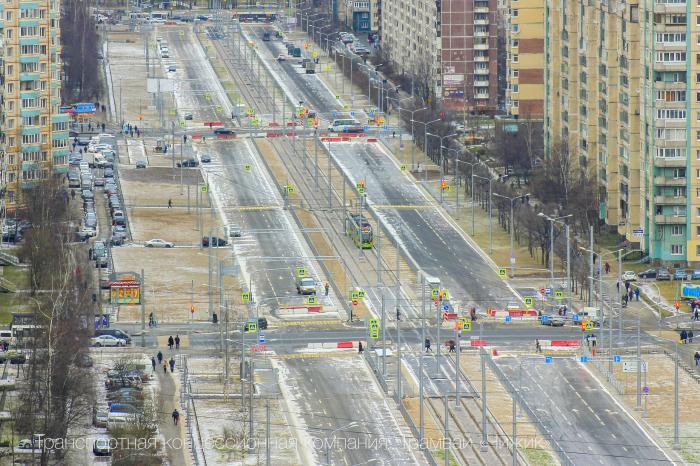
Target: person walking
[
  {"x": 165, "y": 367},
  {"x": 151, "y": 322},
  {"x": 607, "y": 267},
  {"x": 360, "y": 349},
  {"x": 427, "y": 345},
  {"x": 153, "y": 363},
  {"x": 631, "y": 295},
  {"x": 636, "y": 293},
  {"x": 177, "y": 341},
  {"x": 172, "y": 364},
  {"x": 398, "y": 314},
  {"x": 697, "y": 358},
  {"x": 594, "y": 340},
  {"x": 171, "y": 342},
  {"x": 684, "y": 336},
  {"x": 618, "y": 287},
  {"x": 696, "y": 314},
  {"x": 538, "y": 347},
  {"x": 176, "y": 416},
  {"x": 326, "y": 288},
  {"x": 690, "y": 335},
  {"x": 160, "y": 357},
  {"x": 452, "y": 346},
  {"x": 170, "y": 203}
]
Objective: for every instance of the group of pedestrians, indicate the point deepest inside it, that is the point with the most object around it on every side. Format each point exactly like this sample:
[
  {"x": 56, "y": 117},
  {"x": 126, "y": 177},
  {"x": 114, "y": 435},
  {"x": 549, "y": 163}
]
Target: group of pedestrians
[
  {"x": 130, "y": 130},
  {"x": 161, "y": 361},
  {"x": 686, "y": 336}
]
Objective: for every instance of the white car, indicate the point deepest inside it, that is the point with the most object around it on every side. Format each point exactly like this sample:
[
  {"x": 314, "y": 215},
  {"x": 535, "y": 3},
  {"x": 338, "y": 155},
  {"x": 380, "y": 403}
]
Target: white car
[
  {"x": 107, "y": 340},
  {"x": 99, "y": 147},
  {"x": 629, "y": 276},
  {"x": 158, "y": 243}
]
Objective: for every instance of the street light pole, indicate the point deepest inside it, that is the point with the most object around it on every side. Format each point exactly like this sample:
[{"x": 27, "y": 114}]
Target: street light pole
[
  {"x": 512, "y": 230},
  {"x": 489, "y": 210}
]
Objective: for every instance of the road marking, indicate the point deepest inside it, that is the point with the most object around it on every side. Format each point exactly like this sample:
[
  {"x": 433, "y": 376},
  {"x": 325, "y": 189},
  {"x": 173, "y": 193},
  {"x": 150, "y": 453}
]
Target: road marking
[
  {"x": 293, "y": 323},
  {"x": 246, "y": 208},
  {"x": 330, "y": 354},
  {"x": 624, "y": 448},
  {"x": 402, "y": 206}
]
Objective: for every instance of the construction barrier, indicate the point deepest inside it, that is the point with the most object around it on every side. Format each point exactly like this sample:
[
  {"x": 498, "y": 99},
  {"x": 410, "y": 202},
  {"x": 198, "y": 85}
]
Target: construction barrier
[
  {"x": 449, "y": 316},
  {"x": 273, "y": 124},
  {"x": 565, "y": 343},
  {"x": 211, "y": 124},
  {"x": 511, "y": 312},
  {"x": 225, "y": 136},
  {"x": 371, "y": 139},
  {"x": 274, "y": 134},
  {"x": 345, "y": 344},
  {"x": 196, "y": 136},
  {"x": 477, "y": 342}
]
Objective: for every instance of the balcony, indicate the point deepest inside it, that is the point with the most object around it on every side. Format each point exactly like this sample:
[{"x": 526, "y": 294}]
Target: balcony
[
  {"x": 29, "y": 76},
  {"x": 670, "y": 219},
  {"x": 670, "y": 162},
  {"x": 481, "y": 9},
  {"x": 670, "y": 46},
  {"x": 481, "y": 46},
  {"x": 481, "y": 71},
  {"x": 664, "y": 181},
  {"x": 481, "y": 33},
  {"x": 669, "y": 66},
  {"x": 483, "y": 95},
  {"x": 662, "y": 7},
  {"x": 480, "y": 58},
  {"x": 482, "y": 22},
  {"x": 670, "y": 200}
]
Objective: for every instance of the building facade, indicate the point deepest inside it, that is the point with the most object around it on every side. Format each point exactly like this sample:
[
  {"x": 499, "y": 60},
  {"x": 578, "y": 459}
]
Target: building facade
[
  {"x": 36, "y": 133},
  {"x": 449, "y": 45},
  {"x": 525, "y": 59}
]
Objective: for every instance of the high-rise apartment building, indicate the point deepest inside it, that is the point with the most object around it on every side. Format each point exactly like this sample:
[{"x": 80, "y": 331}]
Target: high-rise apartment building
[
  {"x": 36, "y": 133},
  {"x": 452, "y": 44},
  {"x": 525, "y": 59}
]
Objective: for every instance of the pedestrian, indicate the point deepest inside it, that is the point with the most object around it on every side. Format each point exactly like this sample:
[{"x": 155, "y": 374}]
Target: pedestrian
[
  {"x": 136, "y": 128},
  {"x": 359, "y": 348},
  {"x": 151, "y": 322},
  {"x": 624, "y": 300},
  {"x": 165, "y": 367},
  {"x": 72, "y": 193},
  {"x": 89, "y": 127},
  {"x": 588, "y": 341},
  {"x": 690, "y": 335},
  {"x": 398, "y": 314},
  {"x": 684, "y": 336},
  {"x": 393, "y": 134},
  {"x": 326, "y": 287},
  {"x": 427, "y": 345},
  {"x": 160, "y": 357},
  {"x": 177, "y": 341},
  {"x": 636, "y": 293},
  {"x": 631, "y": 295},
  {"x": 452, "y": 346},
  {"x": 214, "y": 318},
  {"x": 131, "y": 133},
  {"x": 172, "y": 364},
  {"x": 171, "y": 342},
  {"x": 697, "y": 358},
  {"x": 697, "y": 314},
  {"x": 618, "y": 287},
  {"x": 594, "y": 340},
  {"x": 103, "y": 125},
  {"x": 176, "y": 416},
  {"x": 607, "y": 267},
  {"x": 138, "y": 133},
  {"x": 204, "y": 139},
  {"x": 627, "y": 286},
  {"x": 538, "y": 347},
  {"x": 153, "y": 363}
]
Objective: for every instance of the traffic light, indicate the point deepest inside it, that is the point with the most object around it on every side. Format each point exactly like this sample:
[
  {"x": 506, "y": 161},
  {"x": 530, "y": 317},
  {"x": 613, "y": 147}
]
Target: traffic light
[{"x": 443, "y": 185}]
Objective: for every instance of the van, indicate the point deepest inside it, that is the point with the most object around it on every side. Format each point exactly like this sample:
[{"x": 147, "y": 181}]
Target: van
[
  {"x": 345, "y": 125},
  {"x": 591, "y": 314},
  {"x": 6, "y": 336}
]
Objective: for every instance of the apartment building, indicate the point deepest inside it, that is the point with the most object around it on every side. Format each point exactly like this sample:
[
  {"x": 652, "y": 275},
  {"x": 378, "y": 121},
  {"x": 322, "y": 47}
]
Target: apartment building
[
  {"x": 525, "y": 59},
  {"x": 361, "y": 15},
  {"x": 36, "y": 134},
  {"x": 452, "y": 43}
]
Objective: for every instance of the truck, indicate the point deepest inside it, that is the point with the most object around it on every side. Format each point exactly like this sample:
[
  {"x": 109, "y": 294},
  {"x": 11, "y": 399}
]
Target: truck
[
  {"x": 310, "y": 67},
  {"x": 360, "y": 230},
  {"x": 296, "y": 53}
]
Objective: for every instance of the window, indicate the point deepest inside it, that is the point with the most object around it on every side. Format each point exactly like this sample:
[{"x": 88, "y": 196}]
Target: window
[
  {"x": 516, "y": 88},
  {"x": 516, "y": 73},
  {"x": 10, "y": 88},
  {"x": 515, "y": 28},
  {"x": 677, "y": 230},
  {"x": 515, "y": 14},
  {"x": 516, "y": 103},
  {"x": 515, "y": 58},
  {"x": 670, "y": 57},
  {"x": 516, "y": 42},
  {"x": 670, "y": 96},
  {"x": 697, "y": 233},
  {"x": 678, "y": 173},
  {"x": 677, "y": 249},
  {"x": 670, "y": 113}
]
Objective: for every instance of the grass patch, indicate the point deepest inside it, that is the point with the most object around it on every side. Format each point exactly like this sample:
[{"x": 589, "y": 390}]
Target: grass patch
[
  {"x": 539, "y": 457},
  {"x": 17, "y": 275},
  {"x": 690, "y": 450},
  {"x": 439, "y": 456}
]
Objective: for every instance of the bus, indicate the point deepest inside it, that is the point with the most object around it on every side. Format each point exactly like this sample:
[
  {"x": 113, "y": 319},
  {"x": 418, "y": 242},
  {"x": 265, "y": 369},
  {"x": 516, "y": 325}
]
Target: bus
[
  {"x": 360, "y": 231},
  {"x": 257, "y": 17}
]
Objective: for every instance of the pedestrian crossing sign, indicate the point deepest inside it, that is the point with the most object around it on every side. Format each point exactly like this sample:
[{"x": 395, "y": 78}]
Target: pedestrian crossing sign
[
  {"x": 311, "y": 299},
  {"x": 205, "y": 188},
  {"x": 361, "y": 293},
  {"x": 218, "y": 108},
  {"x": 403, "y": 167},
  {"x": 464, "y": 324},
  {"x": 445, "y": 294},
  {"x": 354, "y": 295},
  {"x": 435, "y": 292},
  {"x": 301, "y": 271},
  {"x": 207, "y": 96},
  {"x": 529, "y": 301},
  {"x": 503, "y": 272},
  {"x": 245, "y": 296},
  {"x": 328, "y": 67},
  {"x": 182, "y": 123},
  {"x": 252, "y": 327},
  {"x": 314, "y": 54},
  {"x": 248, "y": 167},
  {"x": 289, "y": 189},
  {"x": 588, "y": 325},
  {"x": 559, "y": 295},
  {"x": 374, "y": 328}
]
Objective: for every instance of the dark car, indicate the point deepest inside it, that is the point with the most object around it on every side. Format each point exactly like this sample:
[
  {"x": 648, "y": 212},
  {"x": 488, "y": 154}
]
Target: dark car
[
  {"x": 205, "y": 158},
  {"x": 663, "y": 274},
  {"x": 109, "y": 173},
  {"x": 188, "y": 163},
  {"x": 116, "y": 240},
  {"x": 140, "y": 164},
  {"x": 215, "y": 242},
  {"x": 649, "y": 273},
  {"x": 223, "y": 131}
]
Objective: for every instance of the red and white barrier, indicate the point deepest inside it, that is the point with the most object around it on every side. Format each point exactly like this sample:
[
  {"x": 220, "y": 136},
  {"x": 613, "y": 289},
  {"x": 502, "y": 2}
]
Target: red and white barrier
[
  {"x": 477, "y": 343},
  {"x": 211, "y": 124},
  {"x": 565, "y": 343}
]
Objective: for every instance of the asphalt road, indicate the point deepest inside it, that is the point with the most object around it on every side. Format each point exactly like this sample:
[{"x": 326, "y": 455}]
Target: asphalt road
[{"x": 586, "y": 424}]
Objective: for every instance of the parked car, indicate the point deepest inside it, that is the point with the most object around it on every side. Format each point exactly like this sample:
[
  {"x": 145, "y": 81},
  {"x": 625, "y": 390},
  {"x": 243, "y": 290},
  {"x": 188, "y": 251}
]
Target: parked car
[
  {"x": 109, "y": 173},
  {"x": 205, "y": 158},
  {"x": 695, "y": 275},
  {"x": 99, "y": 181},
  {"x": 663, "y": 274},
  {"x": 648, "y": 273},
  {"x": 107, "y": 340},
  {"x": 553, "y": 321},
  {"x": 87, "y": 194},
  {"x": 115, "y": 332},
  {"x": 99, "y": 419},
  {"x": 102, "y": 446},
  {"x": 116, "y": 240},
  {"x": 35, "y": 442},
  {"x": 172, "y": 68},
  {"x": 215, "y": 242},
  {"x": 680, "y": 274},
  {"x": 158, "y": 243},
  {"x": 188, "y": 163},
  {"x": 188, "y": 116},
  {"x": 629, "y": 276}
]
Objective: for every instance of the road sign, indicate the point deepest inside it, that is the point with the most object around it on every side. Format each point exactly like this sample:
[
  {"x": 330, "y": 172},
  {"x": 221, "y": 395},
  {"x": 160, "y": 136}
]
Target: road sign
[
  {"x": 245, "y": 296},
  {"x": 638, "y": 232},
  {"x": 248, "y": 167},
  {"x": 544, "y": 318},
  {"x": 361, "y": 293},
  {"x": 355, "y": 302},
  {"x": 371, "y": 113},
  {"x": 445, "y": 294},
  {"x": 365, "y": 128},
  {"x": 252, "y": 327},
  {"x": 328, "y": 67},
  {"x": 574, "y": 318},
  {"x": 616, "y": 358},
  {"x": 301, "y": 271},
  {"x": 352, "y": 114},
  {"x": 354, "y": 295},
  {"x": 529, "y": 301},
  {"x": 584, "y": 359},
  {"x": 374, "y": 328},
  {"x": 334, "y": 114},
  {"x": 548, "y": 359},
  {"x": 464, "y": 324},
  {"x": 503, "y": 272},
  {"x": 446, "y": 307},
  {"x": 548, "y": 292},
  {"x": 559, "y": 295},
  {"x": 435, "y": 292},
  {"x": 258, "y": 347},
  {"x": 261, "y": 338},
  {"x": 645, "y": 389},
  {"x": 631, "y": 366},
  {"x": 314, "y": 54},
  {"x": 289, "y": 189},
  {"x": 218, "y": 108},
  {"x": 508, "y": 319},
  {"x": 587, "y": 326},
  {"x": 204, "y": 188},
  {"x": 311, "y": 299}
]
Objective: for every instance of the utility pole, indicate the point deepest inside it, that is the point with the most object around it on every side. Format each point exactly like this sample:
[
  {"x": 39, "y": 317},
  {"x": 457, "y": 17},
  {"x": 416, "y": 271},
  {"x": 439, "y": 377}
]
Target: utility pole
[
  {"x": 143, "y": 311},
  {"x": 209, "y": 290},
  {"x": 568, "y": 272},
  {"x": 590, "y": 273},
  {"x": 379, "y": 255},
  {"x": 330, "y": 186},
  {"x": 251, "y": 387},
  {"x": 268, "y": 461},
  {"x": 619, "y": 280},
  {"x": 551, "y": 252},
  {"x": 457, "y": 370},
  {"x": 515, "y": 419},
  {"x": 484, "y": 407},
  {"x": 420, "y": 370},
  {"x": 316, "y": 143},
  {"x": 438, "y": 322},
  {"x": 639, "y": 363}
]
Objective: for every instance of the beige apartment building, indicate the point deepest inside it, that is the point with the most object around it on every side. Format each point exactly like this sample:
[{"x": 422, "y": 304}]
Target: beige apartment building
[{"x": 36, "y": 133}]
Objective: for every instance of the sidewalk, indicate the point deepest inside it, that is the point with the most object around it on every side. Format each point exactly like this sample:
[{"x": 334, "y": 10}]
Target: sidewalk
[{"x": 175, "y": 442}]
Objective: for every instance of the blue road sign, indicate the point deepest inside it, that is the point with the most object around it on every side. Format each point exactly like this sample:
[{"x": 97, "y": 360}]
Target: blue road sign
[
  {"x": 371, "y": 113},
  {"x": 261, "y": 338},
  {"x": 584, "y": 359},
  {"x": 334, "y": 114},
  {"x": 445, "y": 307},
  {"x": 645, "y": 389},
  {"x": 352, "y": 114},
  {"x": 366, "y": 127},
  {"x": 548, "y": 292},
  {"x": 345, "y": 130},
  {"x": 545, "y": 318},
  {"x": 574, "y": 318},
  {"x": 386, "y": 126},
  {"x": 508, "y": 319},
  {"x": 548, "y": 359},
  {"x": 616, "y": 358}
]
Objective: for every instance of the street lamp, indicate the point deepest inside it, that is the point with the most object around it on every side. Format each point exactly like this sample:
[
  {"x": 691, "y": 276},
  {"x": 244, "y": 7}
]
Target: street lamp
[
  {"x": 512, "y": 250},
  {"x": 490, "y": 225},
  {"x": 413, "y": 138},
  {"x": 551, "y": 244},
  {"x": 442, "y": 164}
]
